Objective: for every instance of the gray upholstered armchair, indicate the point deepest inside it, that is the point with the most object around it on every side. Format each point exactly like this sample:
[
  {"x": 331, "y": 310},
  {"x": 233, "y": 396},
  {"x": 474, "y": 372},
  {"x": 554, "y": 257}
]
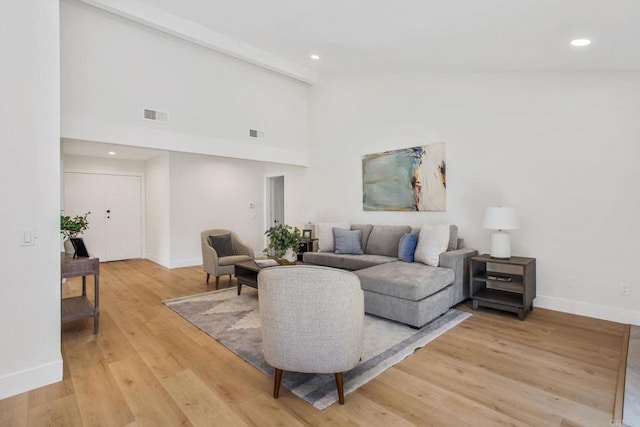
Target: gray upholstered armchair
[
  {"x": 312, "y": 321},
  {"x": 230, "y": 251}
]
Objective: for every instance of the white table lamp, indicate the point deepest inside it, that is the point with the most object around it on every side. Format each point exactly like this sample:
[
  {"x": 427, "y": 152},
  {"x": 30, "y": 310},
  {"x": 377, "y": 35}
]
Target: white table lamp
[{"x": 500, "y": 218}]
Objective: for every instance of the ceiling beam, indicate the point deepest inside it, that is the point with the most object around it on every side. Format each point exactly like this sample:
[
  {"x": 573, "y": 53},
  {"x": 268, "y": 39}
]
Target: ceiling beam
[{"x": 150, "y": 16}]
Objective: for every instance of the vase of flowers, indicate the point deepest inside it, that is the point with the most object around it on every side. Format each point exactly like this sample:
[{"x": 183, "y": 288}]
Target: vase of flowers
[
  {"x": 284, "y": 242},
  {"x": 72, "y": 227}
]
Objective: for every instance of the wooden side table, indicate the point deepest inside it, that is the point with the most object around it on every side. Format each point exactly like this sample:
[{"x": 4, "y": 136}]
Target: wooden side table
[
  {"x": 80, "y": 307},
  {"x": 306, "y": 246},
  {"x": 492, "y": 286},
  {"x": 247, "y": 274}
]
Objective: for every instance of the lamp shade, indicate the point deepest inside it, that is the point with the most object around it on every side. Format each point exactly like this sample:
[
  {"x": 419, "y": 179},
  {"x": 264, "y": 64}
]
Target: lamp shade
[{"x": 500, "y": 218}]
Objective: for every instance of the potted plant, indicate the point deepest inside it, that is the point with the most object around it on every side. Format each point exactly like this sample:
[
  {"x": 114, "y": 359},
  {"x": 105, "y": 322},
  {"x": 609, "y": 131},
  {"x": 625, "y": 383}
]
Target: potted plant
[
  {"x": 284, "y": 242},
  {"x": 72, "y": 228}
]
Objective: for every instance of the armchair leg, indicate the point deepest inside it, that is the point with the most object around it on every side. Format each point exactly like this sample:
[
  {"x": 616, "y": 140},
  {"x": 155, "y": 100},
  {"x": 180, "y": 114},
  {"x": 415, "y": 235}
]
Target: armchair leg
[
  {"x": 340, "y": 385},
  {"x": 217, "y": 281},
  {"x": 276, "y": 382},
  {"x": 207, "y": 277}
]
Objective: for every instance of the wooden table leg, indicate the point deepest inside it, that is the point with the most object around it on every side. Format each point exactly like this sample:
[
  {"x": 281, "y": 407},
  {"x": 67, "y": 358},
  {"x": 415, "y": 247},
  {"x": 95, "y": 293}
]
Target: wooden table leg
[{"x": 96, "y": 308}]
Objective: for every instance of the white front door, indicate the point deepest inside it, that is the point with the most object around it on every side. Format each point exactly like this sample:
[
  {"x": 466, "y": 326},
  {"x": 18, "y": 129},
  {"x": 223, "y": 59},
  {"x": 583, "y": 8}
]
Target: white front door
[{"x": 115, "y": 203}]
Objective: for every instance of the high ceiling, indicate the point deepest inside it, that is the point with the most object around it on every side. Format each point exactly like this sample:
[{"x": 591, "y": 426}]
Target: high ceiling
[
  {"x": 429, "y": 35},
  {"x": 395, "y": 36}
]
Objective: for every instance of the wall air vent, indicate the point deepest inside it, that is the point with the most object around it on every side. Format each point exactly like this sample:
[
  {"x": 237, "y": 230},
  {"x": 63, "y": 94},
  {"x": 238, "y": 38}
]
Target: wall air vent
[
  {"x": 256, "y": 133},
  {"x": 156, "y": 116}
]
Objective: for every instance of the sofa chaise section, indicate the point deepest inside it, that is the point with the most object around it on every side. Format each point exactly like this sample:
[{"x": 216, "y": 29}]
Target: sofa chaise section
[{"x": 410, "y": 293}]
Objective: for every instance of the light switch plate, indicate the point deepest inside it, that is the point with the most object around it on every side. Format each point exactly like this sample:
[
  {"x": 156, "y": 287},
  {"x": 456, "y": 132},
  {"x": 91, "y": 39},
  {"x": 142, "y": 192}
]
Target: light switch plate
[{"x": 27, "y": 237}]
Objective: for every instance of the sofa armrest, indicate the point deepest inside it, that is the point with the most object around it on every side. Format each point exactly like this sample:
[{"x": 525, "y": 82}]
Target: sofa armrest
[{"x": 458, "y": 261}]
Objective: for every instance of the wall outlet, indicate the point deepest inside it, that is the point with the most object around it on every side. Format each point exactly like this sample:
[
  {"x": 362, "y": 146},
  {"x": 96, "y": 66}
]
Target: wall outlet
[
  {"x": 570, "y": 281},
  {"x": 625, "y": 289}
]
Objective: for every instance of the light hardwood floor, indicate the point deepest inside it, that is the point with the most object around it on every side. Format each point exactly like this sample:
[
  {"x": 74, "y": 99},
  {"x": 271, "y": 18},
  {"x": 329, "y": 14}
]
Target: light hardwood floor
[{"x": 149, "y": 367}]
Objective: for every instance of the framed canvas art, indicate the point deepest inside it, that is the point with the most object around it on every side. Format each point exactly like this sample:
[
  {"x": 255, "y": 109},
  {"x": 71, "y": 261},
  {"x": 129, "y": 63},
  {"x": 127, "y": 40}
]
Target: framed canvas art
[{"x": 410, "y": 179}]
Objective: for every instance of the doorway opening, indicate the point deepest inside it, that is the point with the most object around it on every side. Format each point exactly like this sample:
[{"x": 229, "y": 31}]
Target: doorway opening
[{"x": 274, "y": 201}]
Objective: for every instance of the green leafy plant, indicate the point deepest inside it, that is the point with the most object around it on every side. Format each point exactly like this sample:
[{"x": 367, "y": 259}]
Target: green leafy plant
[
  {"x": 282, "y": 237},
  {"x": 72, "y": 227}
]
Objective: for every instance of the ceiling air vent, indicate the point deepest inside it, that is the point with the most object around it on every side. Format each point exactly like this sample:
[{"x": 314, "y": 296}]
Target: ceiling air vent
[
  {"x": 156, "y": 116},
  {"x": 256, "y": 133}
]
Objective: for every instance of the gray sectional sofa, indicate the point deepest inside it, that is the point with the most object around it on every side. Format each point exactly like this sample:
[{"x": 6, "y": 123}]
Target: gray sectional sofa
[{"x": 408, "y": 292}]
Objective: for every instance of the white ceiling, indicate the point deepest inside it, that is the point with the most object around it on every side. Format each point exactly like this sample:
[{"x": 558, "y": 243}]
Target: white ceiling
[
  {"x": 429, "y": 35},
  {"x": 78, "y": 147}
]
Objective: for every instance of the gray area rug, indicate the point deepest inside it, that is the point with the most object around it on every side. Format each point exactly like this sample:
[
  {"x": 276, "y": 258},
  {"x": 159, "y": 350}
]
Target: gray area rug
[
  {"x": 234, "y": 321},
  {"x": 631, "y": 406}
]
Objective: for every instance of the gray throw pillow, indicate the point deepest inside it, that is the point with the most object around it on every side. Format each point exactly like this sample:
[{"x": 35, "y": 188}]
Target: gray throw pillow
[
  {"x": 348, "y": 241},
  {"x": 222, "y": 244}
]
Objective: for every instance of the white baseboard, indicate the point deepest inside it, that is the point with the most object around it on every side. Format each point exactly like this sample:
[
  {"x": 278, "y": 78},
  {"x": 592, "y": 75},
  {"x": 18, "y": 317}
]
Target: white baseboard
[
  {"x": 157, "y": 260},
  {"x": 29, "y": 379},
  {"x": 186, "y": 263},
  {"x": 175, "y": 264},
  {"x": 587, "y": 309}
]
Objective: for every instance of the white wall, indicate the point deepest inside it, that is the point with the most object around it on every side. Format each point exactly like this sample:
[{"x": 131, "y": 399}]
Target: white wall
[
  {"x": 562, "y": 148},
  {"x": 113, "y": 68},
  {"x": 29, "y": 185},
  {"x": 213, "y": 192},
  {"x": 187, "y": 193},
  {"x": 158, "y": 208}
]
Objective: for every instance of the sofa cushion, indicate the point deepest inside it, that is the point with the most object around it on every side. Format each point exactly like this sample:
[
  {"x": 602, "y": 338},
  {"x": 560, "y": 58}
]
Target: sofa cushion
[
  {"x": 384, "y": 239},
  {"x": 366, "y": 231},
  {"x": 348, "y": 241},
  {"x": 413, "y": 313},
  {"x": 433, "y": 240},
  {"x": 222, "y": 244},
  {"x": 407, "y": 247},
  {"x": 412, "y": 282},
  {"x": 233, "y": 259},
  {"x": 328, "y": 259},
  {"x": 326, "y": 242},
  {"x": 358, "y": 262}
]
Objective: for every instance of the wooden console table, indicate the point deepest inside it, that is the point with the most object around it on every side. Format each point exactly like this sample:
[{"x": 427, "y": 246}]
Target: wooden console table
[{"x": 79, "y": 307}]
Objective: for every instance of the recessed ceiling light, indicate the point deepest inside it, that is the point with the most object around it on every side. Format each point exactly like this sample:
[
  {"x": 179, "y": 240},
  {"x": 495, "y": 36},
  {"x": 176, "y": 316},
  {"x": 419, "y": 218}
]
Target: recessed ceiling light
[
  {"x": 580, "y": 42},
  {"x": 314, "y": 57},
  {"x": 111, "y": 153}
]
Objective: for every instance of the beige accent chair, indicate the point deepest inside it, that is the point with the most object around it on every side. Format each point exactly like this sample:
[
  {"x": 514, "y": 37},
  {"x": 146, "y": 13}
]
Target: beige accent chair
[
  {"x": 312, "y": 321},
  {"x": 217, "y": 266}
]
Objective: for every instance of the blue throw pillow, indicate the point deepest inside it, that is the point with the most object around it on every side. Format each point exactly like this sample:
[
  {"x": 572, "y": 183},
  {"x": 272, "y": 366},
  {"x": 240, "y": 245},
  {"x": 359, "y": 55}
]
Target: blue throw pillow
[
  {"x": 348, "y": 241},
  {"x": 407, "y": 247}
]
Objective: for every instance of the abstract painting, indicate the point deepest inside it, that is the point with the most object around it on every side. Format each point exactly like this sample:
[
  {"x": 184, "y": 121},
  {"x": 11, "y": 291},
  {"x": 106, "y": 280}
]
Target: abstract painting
[{"x": 410, "y": 179}]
